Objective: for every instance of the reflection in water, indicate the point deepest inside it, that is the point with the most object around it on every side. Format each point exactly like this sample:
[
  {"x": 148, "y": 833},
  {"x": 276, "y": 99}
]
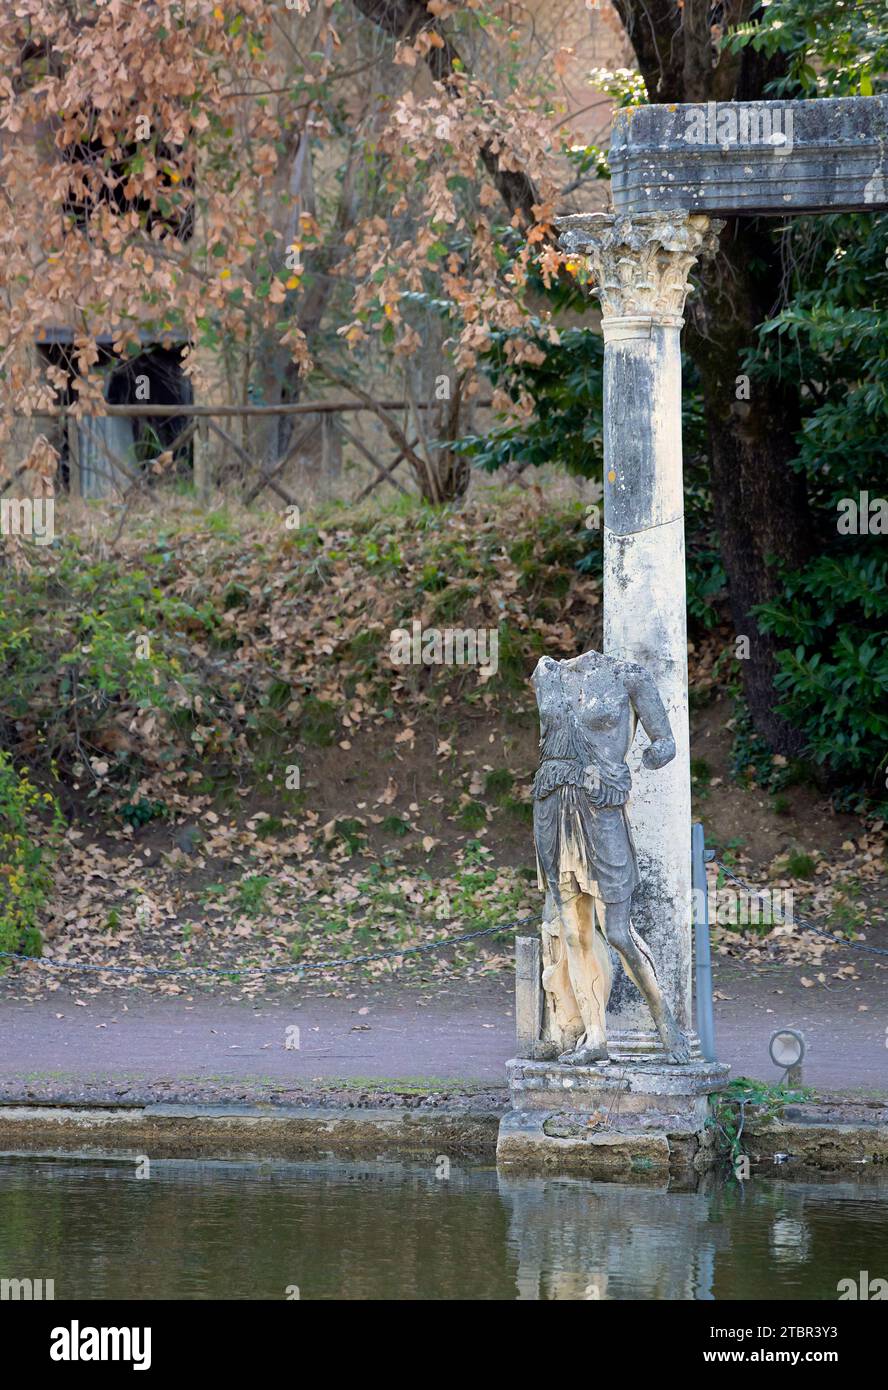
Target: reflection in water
[
  {"x": 790, "y": 1240},
  {"x": 578, "y": 1239},
  {"x": 197, "y": 1230}
]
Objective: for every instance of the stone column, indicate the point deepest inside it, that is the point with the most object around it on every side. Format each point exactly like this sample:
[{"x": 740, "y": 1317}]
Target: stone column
[{"x": 640, "y": 267}]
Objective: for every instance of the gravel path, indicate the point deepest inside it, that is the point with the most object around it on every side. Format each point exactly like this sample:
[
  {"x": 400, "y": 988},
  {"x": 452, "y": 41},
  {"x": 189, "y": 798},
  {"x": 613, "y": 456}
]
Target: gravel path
[{"x": 134, "y": 1045}]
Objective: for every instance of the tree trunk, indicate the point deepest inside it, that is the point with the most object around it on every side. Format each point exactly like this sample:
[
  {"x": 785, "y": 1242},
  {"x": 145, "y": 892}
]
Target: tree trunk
[
  {"x": 452, "y": 474},
  {"x": 760, "y": 503}
]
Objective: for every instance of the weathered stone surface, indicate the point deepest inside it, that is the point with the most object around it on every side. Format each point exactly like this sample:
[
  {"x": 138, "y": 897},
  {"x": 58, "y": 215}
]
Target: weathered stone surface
[
  {"x": 590, "y": 709},
  {"x": 642, "y": 487},
  {"x": 820, "y": 1146},
  {"x": 528, "y": 994},
  {"x": 184, "y": 1131},
  {"x": 536, "y": 1141},
  {"x": 767, "y": 157},
  {"x": 543, "y": 1142},
  {"x": 547, "y": 1142},
  {"x": 646, "y": 618},
  {"x": 654, "y": 1093},
  {"x": 640, "y": 264}
]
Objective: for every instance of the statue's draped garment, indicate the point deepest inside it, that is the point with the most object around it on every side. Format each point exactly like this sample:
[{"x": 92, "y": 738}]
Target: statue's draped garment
[{"x": 581, "y": 831}]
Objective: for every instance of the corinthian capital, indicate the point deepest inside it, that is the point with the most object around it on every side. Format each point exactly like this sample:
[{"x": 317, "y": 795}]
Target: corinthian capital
[{"x": 640, "y": 264}]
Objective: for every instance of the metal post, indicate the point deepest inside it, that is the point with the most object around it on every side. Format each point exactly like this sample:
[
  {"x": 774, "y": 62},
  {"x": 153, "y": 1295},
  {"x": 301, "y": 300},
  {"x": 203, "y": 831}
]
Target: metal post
[{"x": 702, "y": 955}]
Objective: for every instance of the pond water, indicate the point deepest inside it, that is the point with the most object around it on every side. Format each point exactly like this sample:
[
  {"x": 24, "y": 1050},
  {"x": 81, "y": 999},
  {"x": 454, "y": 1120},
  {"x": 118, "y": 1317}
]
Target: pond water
[{"x": 234, "y": 1230}]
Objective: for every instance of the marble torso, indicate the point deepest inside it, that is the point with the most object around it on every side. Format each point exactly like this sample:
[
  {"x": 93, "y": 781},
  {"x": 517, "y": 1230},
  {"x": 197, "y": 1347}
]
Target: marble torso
[{"x": 587, "y": 724}]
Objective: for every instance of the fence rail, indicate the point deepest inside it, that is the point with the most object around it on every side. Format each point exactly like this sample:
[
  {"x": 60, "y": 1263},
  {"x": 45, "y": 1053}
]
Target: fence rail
[
  {"x": 53, "y": 412},
  {"x": 100, "y": 462}
]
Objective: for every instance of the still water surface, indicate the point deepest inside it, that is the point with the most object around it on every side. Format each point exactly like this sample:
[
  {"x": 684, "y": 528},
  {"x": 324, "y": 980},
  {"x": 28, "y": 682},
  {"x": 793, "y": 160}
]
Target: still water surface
[{"x": 196, "y": 1230}]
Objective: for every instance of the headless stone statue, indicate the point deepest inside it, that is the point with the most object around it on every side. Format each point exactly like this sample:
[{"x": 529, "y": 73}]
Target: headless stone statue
[{"x": 589, "y": 709}]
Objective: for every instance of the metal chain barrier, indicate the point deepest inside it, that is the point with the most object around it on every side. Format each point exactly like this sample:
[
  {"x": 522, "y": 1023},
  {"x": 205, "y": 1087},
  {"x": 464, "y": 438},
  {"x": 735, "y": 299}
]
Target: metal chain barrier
[
  {"x": 803, "y": 922},
  {"x": 109, "y": 967}
]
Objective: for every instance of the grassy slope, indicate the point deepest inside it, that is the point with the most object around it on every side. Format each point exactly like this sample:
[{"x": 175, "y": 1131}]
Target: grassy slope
[{"x": 268, "y": 649}]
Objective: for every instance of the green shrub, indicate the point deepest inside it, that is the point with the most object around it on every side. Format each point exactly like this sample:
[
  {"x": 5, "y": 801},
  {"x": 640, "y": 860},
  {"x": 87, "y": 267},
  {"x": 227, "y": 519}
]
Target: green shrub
[
  {"x": 566, "y": 387},
  {"x": 395, "y": 825},
  {"x": 523, "y": 810},
  {"x": 251, "y": 894},
  {"x": 28, "y": 845},
  {"x": 317, "y": 726},
  {"x": 499, "y": 783},
  {"x": 472, "y": 815},
  {"x": 833, "y": 670},
  {"x": 85, "y": 642},
  {"x": 701, "y": 772},
  {"x": 800, "y": 865},
  {"x": 138, "y": 813},
  {"x": 351, "y": 832}
]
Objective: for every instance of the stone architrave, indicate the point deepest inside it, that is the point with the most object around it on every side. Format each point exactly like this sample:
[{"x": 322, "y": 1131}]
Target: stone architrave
[
  {"x": 640, "y": 268},
  {"x": 742, "y": 158}
]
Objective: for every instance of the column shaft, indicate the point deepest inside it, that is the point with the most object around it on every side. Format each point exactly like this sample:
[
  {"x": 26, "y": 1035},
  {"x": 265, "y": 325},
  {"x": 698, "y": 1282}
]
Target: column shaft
[{"x": 644, "y": 621}]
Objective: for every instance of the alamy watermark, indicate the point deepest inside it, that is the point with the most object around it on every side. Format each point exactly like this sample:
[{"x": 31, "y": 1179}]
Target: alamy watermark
[
  {"x": 730, "y": 907},
  {"x": 448, "y": 646},
  {"x": 26, "y": 1290},
  {"x": 76, "y": 1343},
  {"x": 28, "y": 516},
  {"x": 864, "y": 1287},
  {"x": 862, "y": 516},
  {"x": 744, "y": 123}
]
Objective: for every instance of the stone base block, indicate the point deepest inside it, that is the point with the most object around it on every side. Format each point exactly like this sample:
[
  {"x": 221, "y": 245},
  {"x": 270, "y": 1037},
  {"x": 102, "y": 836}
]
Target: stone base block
[
  {"x": 677, "y": 1096},
  {"x": 553, "y": 1142},
  {"x": 642, "y": 1119}
]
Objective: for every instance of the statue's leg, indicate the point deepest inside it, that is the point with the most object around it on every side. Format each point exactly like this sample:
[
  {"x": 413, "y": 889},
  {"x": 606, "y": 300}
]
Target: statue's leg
[
  {"x": 589, "y": 968},
  {"x": 562, "y": 1024},
  {"x": 640, "y": 967}
]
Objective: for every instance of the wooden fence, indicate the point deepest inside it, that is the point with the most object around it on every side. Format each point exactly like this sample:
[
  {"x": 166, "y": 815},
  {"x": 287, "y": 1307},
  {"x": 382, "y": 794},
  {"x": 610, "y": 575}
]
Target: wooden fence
[{"x": 102, "y": 459}]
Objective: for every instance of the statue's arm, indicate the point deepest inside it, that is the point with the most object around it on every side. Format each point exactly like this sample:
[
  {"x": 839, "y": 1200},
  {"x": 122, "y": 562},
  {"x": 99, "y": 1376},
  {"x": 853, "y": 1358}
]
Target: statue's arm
[{"x": 653, "y": 717}]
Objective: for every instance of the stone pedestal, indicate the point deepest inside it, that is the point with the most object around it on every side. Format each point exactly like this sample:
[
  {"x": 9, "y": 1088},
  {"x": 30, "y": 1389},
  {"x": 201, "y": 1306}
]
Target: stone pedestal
[
  {"x": 635, "y": 1116},
  {"x": 647, "y": 1094},
  {"x": 616, "y": 1118}
]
